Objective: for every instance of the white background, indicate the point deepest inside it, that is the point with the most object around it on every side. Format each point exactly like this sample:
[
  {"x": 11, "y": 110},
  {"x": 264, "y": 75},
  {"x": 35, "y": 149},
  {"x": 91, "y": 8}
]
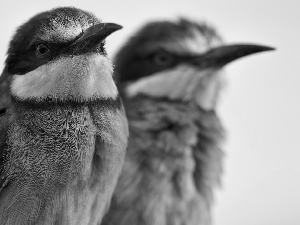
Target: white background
[{"x": 260, "y": 108}]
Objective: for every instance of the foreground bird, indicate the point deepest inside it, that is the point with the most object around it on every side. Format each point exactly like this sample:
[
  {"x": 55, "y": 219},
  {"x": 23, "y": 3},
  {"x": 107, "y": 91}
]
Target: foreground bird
[
  {"x": 63, "y": 132},
  {"x": 170, "y": 77}
]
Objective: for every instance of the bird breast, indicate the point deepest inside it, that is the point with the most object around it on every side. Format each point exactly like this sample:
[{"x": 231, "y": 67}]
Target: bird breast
[{"x": 62, "y": 135}]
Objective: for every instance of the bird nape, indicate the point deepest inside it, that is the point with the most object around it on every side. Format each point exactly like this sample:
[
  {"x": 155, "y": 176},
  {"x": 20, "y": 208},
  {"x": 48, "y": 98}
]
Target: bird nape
[
  {"x": 170, "y": 76},
  {"x": 63, "y": 130}
]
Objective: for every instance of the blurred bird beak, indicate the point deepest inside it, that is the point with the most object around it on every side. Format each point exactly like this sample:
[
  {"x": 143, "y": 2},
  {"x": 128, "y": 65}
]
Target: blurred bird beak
[
  {"x": 91, "y": 38},
  {"x": 220, "y": 56}
]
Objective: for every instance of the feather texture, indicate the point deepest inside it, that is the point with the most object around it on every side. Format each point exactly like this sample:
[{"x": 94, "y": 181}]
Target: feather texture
[
  {"x": 173, "y": 163},
  {"x": 63, "y": 129},
  {"x": 55, "y": 171}
]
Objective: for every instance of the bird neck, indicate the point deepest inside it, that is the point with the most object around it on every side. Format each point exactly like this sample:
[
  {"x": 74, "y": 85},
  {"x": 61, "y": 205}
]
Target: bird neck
[
  {"x": 80, "y": 78},
  {"x": 182, "y": 83}
]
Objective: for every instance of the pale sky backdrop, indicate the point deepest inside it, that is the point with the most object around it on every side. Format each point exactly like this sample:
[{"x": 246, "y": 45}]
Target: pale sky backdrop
[{"x": 261, "y": 184}]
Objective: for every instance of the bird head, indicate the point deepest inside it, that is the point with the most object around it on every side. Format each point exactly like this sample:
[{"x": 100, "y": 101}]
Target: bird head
[
  {"x": 59, "y": 55},
  {"x": 177, "y": 60}
]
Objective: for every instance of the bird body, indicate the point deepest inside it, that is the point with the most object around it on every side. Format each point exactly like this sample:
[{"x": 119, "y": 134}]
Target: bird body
[
  {"x": 171, "y": 167},
  {"x": 56, "y": 159},
  {"x": 64, "y": 133},
  {"x": 170, "y": 77}
]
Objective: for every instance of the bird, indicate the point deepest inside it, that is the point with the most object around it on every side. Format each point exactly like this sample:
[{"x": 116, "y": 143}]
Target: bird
[
  {"x": 63, "y": 128},
  {"x": 170, "y": 76}
]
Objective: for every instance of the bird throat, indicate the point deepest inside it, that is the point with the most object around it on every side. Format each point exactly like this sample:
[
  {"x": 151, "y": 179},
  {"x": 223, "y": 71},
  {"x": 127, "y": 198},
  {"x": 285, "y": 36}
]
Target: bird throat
[
  {"x": 79, "y": 78},
  {"x": 182, "y": 83}
]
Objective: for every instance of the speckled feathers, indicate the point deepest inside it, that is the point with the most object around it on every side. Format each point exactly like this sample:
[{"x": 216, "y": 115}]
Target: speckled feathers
[{"x": 64, "y": 133}]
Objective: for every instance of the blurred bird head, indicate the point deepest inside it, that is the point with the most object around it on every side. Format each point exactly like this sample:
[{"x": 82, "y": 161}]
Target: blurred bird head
[
  {"x": 59, "y": 55},
  {"x": 177, "y": 60}
]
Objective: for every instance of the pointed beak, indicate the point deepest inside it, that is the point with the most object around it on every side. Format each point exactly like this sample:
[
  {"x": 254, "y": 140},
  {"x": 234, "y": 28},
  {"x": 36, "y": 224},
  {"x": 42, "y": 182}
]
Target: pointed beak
[
  {"x": 221, "y": 56},
  {"x": 91, "y": 38}
]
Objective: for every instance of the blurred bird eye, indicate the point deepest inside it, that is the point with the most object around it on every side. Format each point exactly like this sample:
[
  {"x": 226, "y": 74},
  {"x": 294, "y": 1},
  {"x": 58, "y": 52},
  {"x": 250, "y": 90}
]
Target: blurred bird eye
[
  {"x": 162, "y": 59},
  {"x": 41, "y": 50}
]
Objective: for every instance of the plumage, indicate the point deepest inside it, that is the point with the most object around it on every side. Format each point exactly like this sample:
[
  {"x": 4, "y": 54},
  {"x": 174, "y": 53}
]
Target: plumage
[
  {"x": 170, "y": 77},
  {"x": 63, "y": 127}
]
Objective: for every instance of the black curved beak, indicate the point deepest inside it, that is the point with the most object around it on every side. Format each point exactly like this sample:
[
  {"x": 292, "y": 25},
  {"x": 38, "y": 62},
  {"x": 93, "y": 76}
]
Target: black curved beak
[
  {"x": 91, "y": 38},
  {"x": 221, "y": 56}
]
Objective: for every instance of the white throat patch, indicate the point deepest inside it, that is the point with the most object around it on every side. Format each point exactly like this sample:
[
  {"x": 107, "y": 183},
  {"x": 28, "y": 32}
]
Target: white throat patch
[
  {"x": 184, "y": 83},
  {"x": 79, "y": 78}
]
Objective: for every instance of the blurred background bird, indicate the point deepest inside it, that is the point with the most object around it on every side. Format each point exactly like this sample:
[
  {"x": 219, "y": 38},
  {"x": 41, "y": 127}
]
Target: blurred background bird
[
  {"x": 170, "y": 78},
  {"x": 63, "y": 130}
]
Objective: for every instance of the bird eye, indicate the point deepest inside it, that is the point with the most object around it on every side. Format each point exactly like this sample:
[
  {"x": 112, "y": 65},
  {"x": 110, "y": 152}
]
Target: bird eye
[
  {"x": 41, "y": 50},
  {"x": 162, "y": 58}
]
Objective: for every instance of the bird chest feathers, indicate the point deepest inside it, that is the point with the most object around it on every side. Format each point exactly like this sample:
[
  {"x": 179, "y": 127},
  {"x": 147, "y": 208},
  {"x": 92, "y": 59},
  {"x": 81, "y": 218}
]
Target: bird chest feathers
[
  {"x": 51, "y": 165},
  {"x": 172, "y": 163},
  {"x": 63, "y": 134}
]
